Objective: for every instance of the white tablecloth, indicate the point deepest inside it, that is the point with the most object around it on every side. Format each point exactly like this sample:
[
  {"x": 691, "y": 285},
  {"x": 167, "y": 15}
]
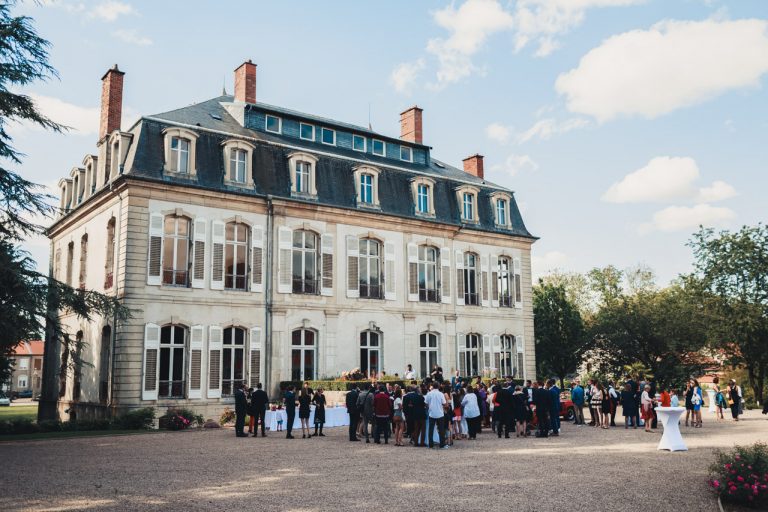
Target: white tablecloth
[
  {"x": 334, "y": 417},
  {"x": 671, "y": 439}
]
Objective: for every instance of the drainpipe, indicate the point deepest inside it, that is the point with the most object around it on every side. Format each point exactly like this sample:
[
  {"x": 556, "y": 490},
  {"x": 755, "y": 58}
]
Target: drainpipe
[
  {"x": 268, "y": 296},
  {"x": 116, "y": 285}
]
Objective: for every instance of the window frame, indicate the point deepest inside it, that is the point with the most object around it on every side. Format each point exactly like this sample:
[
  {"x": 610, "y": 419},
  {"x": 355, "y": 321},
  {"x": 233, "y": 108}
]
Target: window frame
[
  {"x": 170, "y": 382},
  {"x": 267, "y": 117},
  {"x": 182, "y": 133},
  {"x": 358, "y": 174},
  {"x": 301, "y": 136},
  {"x": 175, "y": 237},
  {"x": 430, "y": 184},
  {"x": 471, "y": 354},
  {"x": 425, "y": 350},
  {"x": 234, "y": 244},
  {"x": 303, "y": 348},
  {"x": 461, "y": 194},
  {"x": 410, "y": 153},
  {"x": 365, "y": 143},
  {"x": 323, "y": 130},
  {"x": 367, "y": 350},
  {"x": 383, "y": 147},
  {"x": 471, "y": 281},
  {"x": 425, "y": 293},
  {"x": 311, "y": 160},
  {"x": 233, "y": 348},
  {"x": 496, "y": 198},
  {"x": 364, "y": 261},
  {"x": 313, "y": 288},
  {"x": 506, "y": 274},
  {"x": 229, "y": 147}
]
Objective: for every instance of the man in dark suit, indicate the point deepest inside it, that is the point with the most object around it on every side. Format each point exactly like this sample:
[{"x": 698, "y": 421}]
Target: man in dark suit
[
  {"x": 259, "y": 401},
  {"x": 554, "y": 411},
  {"x": 543, "y": 402},
  {"x": 241, "y": 404},
  {"x": 290, "y": 410},
  {"x": 353, "y": 411},
  {"x": 504, "y": 399}
]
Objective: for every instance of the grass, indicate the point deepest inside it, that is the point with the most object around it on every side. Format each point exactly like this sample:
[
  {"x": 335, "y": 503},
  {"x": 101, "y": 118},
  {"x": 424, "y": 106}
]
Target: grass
[
  {"x": 80, "y": 433},
  {"x": 18, "y": 412}
]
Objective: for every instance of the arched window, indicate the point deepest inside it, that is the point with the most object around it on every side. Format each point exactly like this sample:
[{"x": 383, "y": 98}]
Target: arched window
[
  {"x": 70, "y": 261},
  {"x": 305, "y": 254},
  {"x": 173, "y": 347},
  {"x": 83, "y": 261},
  {"x": 506, "y": 357},
  {"x": 303, "y": 354},
  {"x": 469, "y": 355},
  {"x": 232, "y": 359},
  {"x": 428, "y": 287},
  {"x": 370, "y": 269},
  {"x": 109, "y": 262},
  {"x": 470, "y": 279},
  {"x": 236, "y": 256},
  {"x": 78, "y": 373},
  {"x": 506, "y": 282},
  {"x": 370, "y": 353},
  {"x": 180, "y": 155},
  {"x": 176, "y": 247},
  {"x": 428, "y": 353},
  {"x": 106, "y": 340}
]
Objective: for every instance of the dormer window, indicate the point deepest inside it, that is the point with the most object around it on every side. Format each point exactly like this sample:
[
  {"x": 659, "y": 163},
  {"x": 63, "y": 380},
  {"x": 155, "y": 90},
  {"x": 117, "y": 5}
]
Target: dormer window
[
  {"x": 303, "y": 176},
  {"x": 422, "y": 205},
  {"x": 467, "y": 199},
  {"x": 237, "y": 162},
  {"x": 367, "y": 184},
  {"x": 302, "y": 170},
  {"x": 406, "y": 154},
  {"x": 328, "y": 136},
  {"x": 423, "y": 196},
  {"x": 377, "y": 147},
  {"x": 180, "y": 151},
  {"x": 501, "y": 212},
  {"x": 359, "y": 143},
  {"x": 274, "y": 124},
  {"x": 237, "y": 165},
  {"x": 180, "y": 155},
  {"x": 306, "y": 131},
  {"x": 501, "y": 204}
]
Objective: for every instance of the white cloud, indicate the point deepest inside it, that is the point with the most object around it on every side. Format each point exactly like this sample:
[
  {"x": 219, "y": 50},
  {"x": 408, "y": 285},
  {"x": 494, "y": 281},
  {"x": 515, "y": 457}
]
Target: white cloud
[
  {"x": 131, "y": 36},
  {"x": 542, "y": 265},
  {"x": 514, "y": 164},
  {"x": 110, "y": 10},
  {"x": 674, "y": 64},
  {"x": 81, "y": 120},
  {"x": 680, "y": 218},
  {"x": 405, "y": 74},
  {"x": 497, "y": 132},
  {"x": 666, "y": 178},
  {"x": 546, "y": 128}
]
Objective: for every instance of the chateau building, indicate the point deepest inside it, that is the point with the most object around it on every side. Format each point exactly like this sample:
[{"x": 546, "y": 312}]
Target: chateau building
[{"x": 259, "y": 244}]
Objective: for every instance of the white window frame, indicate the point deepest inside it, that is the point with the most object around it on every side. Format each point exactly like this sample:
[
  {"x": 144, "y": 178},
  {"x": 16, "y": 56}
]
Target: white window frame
[
  {"x": 430, "y": 183},
  {"x": 369, "y": 349},
  {"x": 279, "y": 124},
  {"x": 466, "y": 351},
  {"x": 174, "y": 238},
  {"x": 471, "y": 276},
  {"x": 495, "y": 198},
  {"x": 507, "y": 274},
  {"x": 304, "y": 252},
  {"x": 358, "y": 174},
  {"x": 473, "y": 193},
  {"x": 170, "y": 166},
  {"x": 293, "y": 159},
  {"x": 303, "y": 347},
  {"x": 365, "y": 143},
  {"x": 423, "y": 264},
  {"x": 302, "y": 125},
  {"x": 234, "y": 244},
  {"x": 172, "y": 346},
  {"x": 232, "y": 347},
  {"x": 322, "y": 138},
  {"x": 365, "y": 261},
  {"x": 23, "y": 381},
  {"x": 427, "y": 350},
  {"x": 228, "y": 147},
  {"x": 410, "y": 153},
  {"x": 383, "y": 147},
  {"x": 23, "y": 363}
]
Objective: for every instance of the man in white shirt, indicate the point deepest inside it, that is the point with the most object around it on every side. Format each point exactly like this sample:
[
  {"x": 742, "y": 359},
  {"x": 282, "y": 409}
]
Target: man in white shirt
[
  {"x": 436, "y": 411},
  {"x": 409, "y": 375}
]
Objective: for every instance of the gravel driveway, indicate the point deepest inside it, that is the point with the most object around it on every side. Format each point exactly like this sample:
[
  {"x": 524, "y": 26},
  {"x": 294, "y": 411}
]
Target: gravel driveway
[{"x": 583, "y": 469}]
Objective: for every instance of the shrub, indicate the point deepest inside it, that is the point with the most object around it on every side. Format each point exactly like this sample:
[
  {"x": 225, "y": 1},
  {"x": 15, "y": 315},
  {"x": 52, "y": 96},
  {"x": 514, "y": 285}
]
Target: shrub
[
  {"x": 138, "y": 419},
  {"x": 740, "y": 475},
  {"x": 50, "y": 426},
  {"x": 228, "y": 416},
  {"x": 179, "y": 418}
]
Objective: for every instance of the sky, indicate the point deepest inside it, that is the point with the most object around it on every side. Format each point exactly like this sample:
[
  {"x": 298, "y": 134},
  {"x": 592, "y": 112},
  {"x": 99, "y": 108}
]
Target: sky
[{"x": 621, "y": 125}]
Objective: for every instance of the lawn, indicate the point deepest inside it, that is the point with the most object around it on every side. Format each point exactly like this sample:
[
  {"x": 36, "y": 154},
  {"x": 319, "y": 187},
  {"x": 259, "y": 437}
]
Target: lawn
[
  {"x": 18, "y": 412},
  {"x": 76, "y": 433}
]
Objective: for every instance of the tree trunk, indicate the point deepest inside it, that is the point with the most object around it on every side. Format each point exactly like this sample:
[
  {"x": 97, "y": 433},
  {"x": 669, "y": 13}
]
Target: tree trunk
[
  {"x": 760, "y": 383},
  {"x": 49, "y": 393},
  {"x": 562, "y": 382}
]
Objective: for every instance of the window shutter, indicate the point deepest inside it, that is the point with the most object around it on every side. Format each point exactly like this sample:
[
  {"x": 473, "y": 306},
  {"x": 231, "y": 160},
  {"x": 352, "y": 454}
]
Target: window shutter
[
  {"x": 257, "y": 259},
  {"x": 198, "y": 253},
  {"x": 487, "y": 352},
  {"x": 494, "y": 280},
  {"x": 445, "y": 275},
  {"x": 215, "y": 336},
  {"x": 484, "y": 280},
  {"x": 255, "y": 359},
  {"x": 326, "y": 247},
  {"x": 217, "y": 256},
  {"x": 151, "y": 359},
  {"x": 353, "y": 264},
  {"x": 154, "y": 258},
  {"x": 459, "y": 278},
  {"x": 390, "y": 284},
  {"x": 195, "y": 362},
  {"x": 518, "y": 291},
  {"x": 460, "y": 362},
  {"x": 285, "y": 263},
  {"x": 520, "y": 342},
  {"x": 496, "y": 349},
  {"x": 413, "y": 272}
]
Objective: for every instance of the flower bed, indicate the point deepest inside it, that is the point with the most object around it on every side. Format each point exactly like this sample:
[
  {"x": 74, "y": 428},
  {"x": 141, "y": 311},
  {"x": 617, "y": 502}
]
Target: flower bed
[{"x": 741, "y": 475}]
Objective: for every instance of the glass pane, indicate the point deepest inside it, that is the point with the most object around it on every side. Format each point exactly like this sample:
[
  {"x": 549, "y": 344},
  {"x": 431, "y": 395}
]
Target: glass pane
[
  {"x": 165, "y": 334},
  {"x": 165, "y": 363},
  {"x": 310, "y": 240},
  {"x": 309, "y": 266},
  {"x": 374, "y": 358},
  {"x": 296, "y": 364},
  {"x": 178, "y": 363},
  {"x": 423, "y": 340},
  {"x": 378, "y": 147},
  {"x": 433, "y": 340},
  {"x": 307, "y": 132},
  {"x": 228, "y": 336},
  {"x": 169, "y": 227},
  {"x": 227, "y": 363},
  {"x": 183, "y": 226},
  {"x": 363, "y": 339},
  {"x": 296, "y": 338},
  {"x": 168, "y": 253},
  {"x": 297, "y": 268},
  {"x": 309, "y": 364},
  {"x": 229, "y": 258},
  {"x": 238, "y": 364},
  {"x": 424, "y": 364},
  {"x": 358, "y": 143},
  {"x": 373, "y": 339},
  {"x": 242, "y": 234},
  {"x": 298, "y": 238},
  {"x": 364, "y": 360},
  {"x": 230, "y": 231},
  {"x": 309, "y": 337},
  {"x": 178, "y": 335},
  {"x": 181, "y": 254}
]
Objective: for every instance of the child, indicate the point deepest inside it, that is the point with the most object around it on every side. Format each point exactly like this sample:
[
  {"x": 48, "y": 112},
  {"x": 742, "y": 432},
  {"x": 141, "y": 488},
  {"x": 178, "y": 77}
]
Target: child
[
  {"x": 279, "y": 424},
  {"x": 673, "y": 400}
]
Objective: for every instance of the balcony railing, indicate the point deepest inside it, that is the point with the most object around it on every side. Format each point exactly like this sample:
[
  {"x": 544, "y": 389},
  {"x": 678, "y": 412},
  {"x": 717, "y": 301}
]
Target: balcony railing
[
  {"x": 307, "y": 286},
  {"x": 471, "y": 299},
  {"x": 505, "y": 300},
  {"x": 429, "y": 295},
  {"x": 171, "y": 389},
  {"x": 371, "y": 291},
  {"x": 175, "y": 277}
]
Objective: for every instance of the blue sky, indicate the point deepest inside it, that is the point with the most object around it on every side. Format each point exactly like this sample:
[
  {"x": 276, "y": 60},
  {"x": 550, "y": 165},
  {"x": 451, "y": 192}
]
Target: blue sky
[{"x": 620, "y": 124}]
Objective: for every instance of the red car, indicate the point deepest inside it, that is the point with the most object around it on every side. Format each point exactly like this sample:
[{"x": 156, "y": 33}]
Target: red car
[{"x": 567, "y": 411}]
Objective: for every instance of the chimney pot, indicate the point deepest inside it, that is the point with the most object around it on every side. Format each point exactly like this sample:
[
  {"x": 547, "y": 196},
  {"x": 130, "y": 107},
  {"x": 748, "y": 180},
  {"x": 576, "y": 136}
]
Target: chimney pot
[
  {"x": 410, "y": 125},
  {"x": 245, "y": 82},
  {"x": 111, "y": 101},
  {"x": 474, "y": 165}
]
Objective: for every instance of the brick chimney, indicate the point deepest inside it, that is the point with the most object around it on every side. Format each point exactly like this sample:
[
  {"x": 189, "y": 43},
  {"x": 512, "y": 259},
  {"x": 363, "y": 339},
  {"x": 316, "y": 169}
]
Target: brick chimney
[
  {"x": 410, "y": 125},
  {"x": 111, "y": 101},
  {"x": 245, "y": 82},
  {"x": 474, "y": 165}
]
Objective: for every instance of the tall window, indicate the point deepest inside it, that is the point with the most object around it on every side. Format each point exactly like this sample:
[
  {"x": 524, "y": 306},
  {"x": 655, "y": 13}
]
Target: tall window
[
  {"x": 237, "y": 165},
  {"x": 469, "y": 351},
  {"x": 366, "y": 188},
  {"x": 428, "y": 291},
  {"x": 305, "y": 262},
  {"x": 501, "y": 212},
  {"x": 423, "y": 199},
  {"x": 83, "y": 261},
  {"x": 106, "y": 340},
  {"x": 506, "y": 276},
  {"x": 470, "y": 279},
  {"x": 427, "y": 353},
  {"x": 370, "y": 353},
  {"x": 505, "y": 358},
  {"x": 468, "y": 206},
  {"x": 236, "y": 256},
  {"x": 176, "y": 248},
  {"x": 180, "y": 154},
  {"x": 109, "y": 262},
  {"x": 303, "y": 354},
  {"x": 303, "y": 170},
  {"x": 70, "y": 261},
  {"x": 370, "y": 269},
  {"x": 78, "y": 376},
  {"x": 172, "y": 353},
  {"x": 232, "y": 359}
]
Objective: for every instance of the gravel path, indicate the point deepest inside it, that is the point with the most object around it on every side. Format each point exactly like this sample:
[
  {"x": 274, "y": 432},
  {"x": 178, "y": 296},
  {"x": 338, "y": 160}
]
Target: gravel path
[{"x": 584, "y": 469}]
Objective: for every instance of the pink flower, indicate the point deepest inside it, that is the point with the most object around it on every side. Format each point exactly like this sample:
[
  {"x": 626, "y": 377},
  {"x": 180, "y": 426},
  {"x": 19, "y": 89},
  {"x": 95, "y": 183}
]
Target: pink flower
[
  {"x": 727, "y": 466},
  {"x": 740, "y": 478},
  {"x": 737, "y": 458},
  {"x": 715, "y": 484}
]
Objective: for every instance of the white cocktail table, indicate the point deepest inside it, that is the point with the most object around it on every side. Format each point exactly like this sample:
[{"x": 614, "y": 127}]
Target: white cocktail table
[{"x": 671, "y": 439}]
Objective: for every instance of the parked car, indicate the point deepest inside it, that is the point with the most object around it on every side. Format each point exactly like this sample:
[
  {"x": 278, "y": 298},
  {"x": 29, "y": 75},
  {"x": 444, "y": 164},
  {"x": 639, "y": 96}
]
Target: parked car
[
  {"x": 567, "y": 412},
  {"x": 27, "y": 393},
  {"x": 4, "y": 400}
]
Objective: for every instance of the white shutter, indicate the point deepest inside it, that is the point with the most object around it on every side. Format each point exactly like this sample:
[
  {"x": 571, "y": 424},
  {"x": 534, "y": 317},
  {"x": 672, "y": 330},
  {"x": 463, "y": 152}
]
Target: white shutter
[
  {"x": 494, "y": 280},
  {"x": 353, "y": 267},
  {"x": 459, "y": 278},
  {"x": 215, "y": 338},
  {"x": 197, "y": 272},
  {"x": 254, "y": 365},
  {"x": 195, "y": 362},
  {"x": 151, "y": 361},
  {"x": 390, "y": 284},
  {"x": 257, "y": 259},
  {"x": 445, "y": 275},
  {"x": 155, "y": 253},
  {"x": 521, "y": 355},
  {"x": 495, "y": 350},
  {"x": 413, "y": 272},
  {"x": 285, "y": 262},
  {"x": 460, "y": 362},
  {"x": 326, "y": 247},
  {"x": 518, "y": 291},
  {"x": 484, "y": 281},
  {"x": 217, "y": 255},
  {"x": 487, "y": 352}
]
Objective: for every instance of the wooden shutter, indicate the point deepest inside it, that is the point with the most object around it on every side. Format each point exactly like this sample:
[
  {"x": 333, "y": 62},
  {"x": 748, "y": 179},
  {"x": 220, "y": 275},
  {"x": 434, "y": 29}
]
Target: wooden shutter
[
  {"x": 459, "y": 278},
  {"x": 520, "y": 342},
  {"x": 445, "y": 275},
  {"x": 484, "y": 280},
  {"x": 215, "y": 338},
  {"x": 257, "y": 259},
  {"x": 198, "y": 253},
  {"x": 518, "y": 291},
  {"x": 254, "y": 366},
  {"x": 285, "y": 262},
  {"x": 217, "y": 255},
  {"x": 390, "y": 280},
  {"x": 494, "y": 280},
  {"x": 326, "y": 248},
  {"x": 353, "y": 267},
  {"x": 151, "y": 361},
  {"x": 155, "y": 255},
  {"x": 195, "y": 362},
  {"x": 496, "y": 349},
  {"x": 413, "y": 272},
  {"x": 487, "y": 360},
  {"x": 460, "y": 361}
]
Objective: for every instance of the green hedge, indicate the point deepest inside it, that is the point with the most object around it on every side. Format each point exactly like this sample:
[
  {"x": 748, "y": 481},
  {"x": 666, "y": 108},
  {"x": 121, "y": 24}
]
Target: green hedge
[{"x": 139, "y": 419}]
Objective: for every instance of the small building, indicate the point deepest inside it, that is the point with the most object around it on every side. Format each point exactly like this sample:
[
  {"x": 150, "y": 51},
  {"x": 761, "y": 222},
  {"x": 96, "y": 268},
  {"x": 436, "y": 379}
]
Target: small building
[{"x": 27, "y": 360}]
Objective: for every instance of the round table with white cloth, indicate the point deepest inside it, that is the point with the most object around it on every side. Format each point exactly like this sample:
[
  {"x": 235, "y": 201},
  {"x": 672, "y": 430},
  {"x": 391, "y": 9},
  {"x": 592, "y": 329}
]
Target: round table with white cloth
[
  {"x": 670, "y": 419},
  {"x": 334, "y": 417}
]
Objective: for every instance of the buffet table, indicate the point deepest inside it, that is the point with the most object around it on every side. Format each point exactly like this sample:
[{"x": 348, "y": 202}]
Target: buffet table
[
  {"x": 334, "y": 417},
  {"x": 670, "y": 419}
]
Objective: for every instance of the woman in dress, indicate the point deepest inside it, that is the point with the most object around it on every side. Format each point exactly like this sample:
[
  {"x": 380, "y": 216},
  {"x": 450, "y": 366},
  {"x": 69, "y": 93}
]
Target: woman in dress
[
  {"x": 520, "y": 412},
  {"x": 319, "y": 401},
  {"x": 734, "y": 392},
  {"x": 304, "y": 400},
  {"x": 697, "y": 399},
  {"x": 397, "y": 415},
  {"x": 719, "y": 399},
  {"x": 646, "y": 404},
  {"x": 471, "y": 412},
  {"x": 689, "y": 404},
  {"x": 628, "y": 405},
  {"x": 596, "y": 402},
  {"x": 605, "y": 406}
]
